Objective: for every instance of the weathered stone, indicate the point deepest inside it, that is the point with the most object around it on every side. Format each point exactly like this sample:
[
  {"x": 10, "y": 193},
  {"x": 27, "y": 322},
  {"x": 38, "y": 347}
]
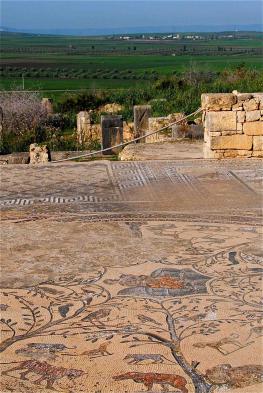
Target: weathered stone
[
  {"x": 253, "y": 115},
  {"x": 214, "y": 154},
  {"x": 192, "y": 131},
  {"x": 239, "y": 126},
  {"x": 128, "y": 131},
  {"x": 116, "y": 135},
  {"x": 259, "y": 99},
  {"x": 215, "y": 133},
  {"x": 218, "y": 101},
  {"x": 198, "y": 120},
  {"x": 221, "y": 121},
  {"x": 47, "y": 103},
  {"x": 241, "y": 116},
  {"x": 83, "y": 126},
  {"x": 15, "y": 158},
  {"x": 250, "y": 105},
  {"x": 235, "y": 142},
  {"x": 243, "y": 97},
  {"x": 111, "y": 108},
  {"x": 253, "y": 128},
  {"x": 156, "y": 123},
  {"x": 112, "y": 132},
  {"x": 207, "y": 136},
  {"x": 237, "y": 153},
  {"x": 258, "y": 142},
  {"x": 224, "y": 133},
  {"x": 178, "y": 132},
  {"x": 141, "y": 113},
  {"x": 38, "y": 154},
  {"x": 257, "y": 153},
  {"x": 237, "y": 107}
]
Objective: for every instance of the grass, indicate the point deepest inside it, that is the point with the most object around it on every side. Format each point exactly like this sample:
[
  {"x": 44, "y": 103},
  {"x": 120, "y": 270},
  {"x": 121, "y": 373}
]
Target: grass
[{"x": 68, "y": 84}]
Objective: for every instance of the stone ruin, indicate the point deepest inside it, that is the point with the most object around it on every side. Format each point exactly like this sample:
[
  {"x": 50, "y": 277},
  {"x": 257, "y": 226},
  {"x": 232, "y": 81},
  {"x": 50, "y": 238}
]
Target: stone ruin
[
  {"x": 141, "y": 114},
  {"x": 47, "y": 103},
  {"x": 155, "y": 123},
  {"x": 233, "y": 125},
  {"x": 112, "y": 132},
  {"x": 86, "y": 130},
  {"x": 38, "y": 154},
  {"x": 145, "y": 124}
]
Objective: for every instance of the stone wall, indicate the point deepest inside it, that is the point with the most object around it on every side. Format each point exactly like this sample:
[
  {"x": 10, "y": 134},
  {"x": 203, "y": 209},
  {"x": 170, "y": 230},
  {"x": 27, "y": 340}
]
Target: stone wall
[
  {"x": 233, "y": 125},
  {"x": 155, "y": 123}
]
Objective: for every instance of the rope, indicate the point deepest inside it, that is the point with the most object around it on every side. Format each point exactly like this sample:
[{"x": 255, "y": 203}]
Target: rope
[{"x": 129, "y": 142}]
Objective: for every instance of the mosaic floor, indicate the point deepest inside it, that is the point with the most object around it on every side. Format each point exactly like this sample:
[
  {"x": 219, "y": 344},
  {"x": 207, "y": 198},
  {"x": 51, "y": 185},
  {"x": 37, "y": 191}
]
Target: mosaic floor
[{"x": 132, "y": 277}]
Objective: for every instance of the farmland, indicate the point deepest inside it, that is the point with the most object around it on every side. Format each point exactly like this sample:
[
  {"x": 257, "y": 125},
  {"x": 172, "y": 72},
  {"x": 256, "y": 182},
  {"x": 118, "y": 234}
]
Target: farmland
[{"x": 70, "y": 63}]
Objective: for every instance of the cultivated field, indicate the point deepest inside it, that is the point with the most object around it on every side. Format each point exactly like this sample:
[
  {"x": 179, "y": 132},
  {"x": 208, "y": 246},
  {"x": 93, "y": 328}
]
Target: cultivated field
[{"x": 67, "y": 62}]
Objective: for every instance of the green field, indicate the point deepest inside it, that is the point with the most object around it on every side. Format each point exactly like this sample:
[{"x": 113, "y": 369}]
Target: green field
[{"x": 68, "y": 63}]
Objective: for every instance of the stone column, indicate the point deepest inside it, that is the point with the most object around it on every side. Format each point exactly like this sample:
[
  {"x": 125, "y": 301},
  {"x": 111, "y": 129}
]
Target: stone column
[
  {"x": 83, "y": 126},
  {"x": 47, "y": 103},
  {"x": 142, "y": 113},
  {"x": 112, "y": 132}
]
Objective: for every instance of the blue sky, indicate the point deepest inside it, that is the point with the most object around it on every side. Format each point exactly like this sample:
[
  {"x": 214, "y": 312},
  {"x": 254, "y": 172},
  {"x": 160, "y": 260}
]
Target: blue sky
[{"x": 61, "y": 14}]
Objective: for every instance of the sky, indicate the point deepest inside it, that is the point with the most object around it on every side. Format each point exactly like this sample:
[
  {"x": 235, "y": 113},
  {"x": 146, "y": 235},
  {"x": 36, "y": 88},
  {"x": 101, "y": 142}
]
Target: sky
[{"x": 60, "y": 14}]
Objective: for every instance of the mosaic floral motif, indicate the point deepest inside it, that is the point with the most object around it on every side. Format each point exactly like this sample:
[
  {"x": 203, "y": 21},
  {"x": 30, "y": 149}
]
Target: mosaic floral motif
[{"x": 183, "y": 323}]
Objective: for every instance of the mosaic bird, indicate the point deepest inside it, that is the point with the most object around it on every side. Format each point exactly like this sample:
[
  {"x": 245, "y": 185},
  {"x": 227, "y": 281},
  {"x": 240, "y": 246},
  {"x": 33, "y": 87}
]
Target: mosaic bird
[{"x": 96, "y": 315}]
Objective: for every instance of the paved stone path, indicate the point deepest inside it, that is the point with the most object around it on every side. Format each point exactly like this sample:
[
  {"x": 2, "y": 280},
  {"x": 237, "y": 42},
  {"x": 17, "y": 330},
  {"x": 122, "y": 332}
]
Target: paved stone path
[{"x": 132, "y": 277}]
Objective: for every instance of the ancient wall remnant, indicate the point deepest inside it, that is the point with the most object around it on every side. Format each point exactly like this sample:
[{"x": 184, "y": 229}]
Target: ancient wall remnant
[
  {"x": 155, "y": 123},
  {"x": 38, "y": 154},
  {"x": 233, "y": 125}
]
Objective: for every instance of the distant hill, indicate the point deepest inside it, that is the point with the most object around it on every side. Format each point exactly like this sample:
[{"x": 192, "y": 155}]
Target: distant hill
[{"x": 134, "y": 30}]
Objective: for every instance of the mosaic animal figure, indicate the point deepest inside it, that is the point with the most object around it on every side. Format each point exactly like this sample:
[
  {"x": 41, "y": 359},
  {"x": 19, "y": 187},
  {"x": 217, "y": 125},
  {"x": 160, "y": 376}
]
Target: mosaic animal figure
[
  {"x": 235, "y": 377},
  {"x": 101, "y": 351},
  {"x": 137, "y": 358},
  {"x": 149, "y": 379},
  {"x": 219, "y": 344},
  {"x": 96, "y": 316},
  {"x": 42, "y": 350},
  {"x": 47, "y": 372}
]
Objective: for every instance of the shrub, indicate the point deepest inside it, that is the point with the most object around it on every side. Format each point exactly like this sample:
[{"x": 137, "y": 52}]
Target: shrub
[{"x": 23, "y": 119}]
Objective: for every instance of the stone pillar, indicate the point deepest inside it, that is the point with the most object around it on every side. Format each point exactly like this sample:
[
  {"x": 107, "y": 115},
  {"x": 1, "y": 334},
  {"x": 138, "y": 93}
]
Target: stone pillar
[
  {"x": 112, "y": 132},
  {"x": 83, "y": 127},
  {"x": 142, "y": 113},
  {"x": 38, "y": 154},
  {"x": 47, "y": 103}
]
